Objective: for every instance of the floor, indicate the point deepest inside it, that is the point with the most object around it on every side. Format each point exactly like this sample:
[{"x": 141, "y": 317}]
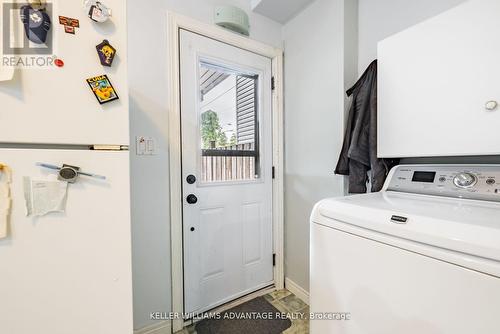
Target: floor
[{"x": 286, "y": 302}]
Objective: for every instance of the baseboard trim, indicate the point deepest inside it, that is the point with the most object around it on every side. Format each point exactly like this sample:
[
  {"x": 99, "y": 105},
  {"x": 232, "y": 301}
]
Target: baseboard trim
[
  {"x": 297, "y": 290},
  {"x": 163, "y": 327}
]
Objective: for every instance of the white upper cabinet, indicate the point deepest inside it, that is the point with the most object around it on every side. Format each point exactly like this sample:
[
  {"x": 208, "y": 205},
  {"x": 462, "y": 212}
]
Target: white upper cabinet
[{"x": 439, "y": 83}]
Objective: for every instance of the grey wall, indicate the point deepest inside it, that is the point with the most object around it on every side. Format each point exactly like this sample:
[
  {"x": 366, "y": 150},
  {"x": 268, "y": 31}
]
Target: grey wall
[
  {"x": 382, "y": 18},
  {"x": 148, "y": 116},
  {"x": 314, "y": 118}
]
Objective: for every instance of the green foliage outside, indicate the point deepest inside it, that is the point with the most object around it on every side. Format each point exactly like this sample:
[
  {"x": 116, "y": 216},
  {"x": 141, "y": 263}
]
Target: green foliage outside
[
  {"x": 233, "y": 141},
  {"x": 212, "y": 135}
]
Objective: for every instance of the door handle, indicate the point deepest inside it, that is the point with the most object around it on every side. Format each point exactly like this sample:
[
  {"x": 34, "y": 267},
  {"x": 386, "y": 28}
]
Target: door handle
[
  {"x": 191, "y": 199},
  {"x": 191, "y": 179}
]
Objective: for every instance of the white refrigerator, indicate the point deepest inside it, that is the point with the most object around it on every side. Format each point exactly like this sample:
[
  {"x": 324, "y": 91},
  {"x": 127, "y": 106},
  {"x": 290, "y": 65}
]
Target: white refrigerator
[{"x": 69, "y": 272}]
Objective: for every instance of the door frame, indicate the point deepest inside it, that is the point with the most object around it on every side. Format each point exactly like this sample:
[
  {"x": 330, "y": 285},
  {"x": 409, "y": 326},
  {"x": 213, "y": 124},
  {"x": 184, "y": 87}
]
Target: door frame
[{"x": 175, "y": 22}]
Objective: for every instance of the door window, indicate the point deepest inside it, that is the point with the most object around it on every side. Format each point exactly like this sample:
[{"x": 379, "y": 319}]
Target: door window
[{"x": 229, "y": 125}]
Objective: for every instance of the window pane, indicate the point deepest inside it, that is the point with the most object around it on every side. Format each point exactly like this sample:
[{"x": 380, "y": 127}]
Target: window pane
[{"x": 228, "y": 124}]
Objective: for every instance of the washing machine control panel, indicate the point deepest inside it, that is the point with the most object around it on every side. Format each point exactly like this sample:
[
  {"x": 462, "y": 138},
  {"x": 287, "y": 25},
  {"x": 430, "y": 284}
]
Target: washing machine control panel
[{"x": 481, "y": 182}]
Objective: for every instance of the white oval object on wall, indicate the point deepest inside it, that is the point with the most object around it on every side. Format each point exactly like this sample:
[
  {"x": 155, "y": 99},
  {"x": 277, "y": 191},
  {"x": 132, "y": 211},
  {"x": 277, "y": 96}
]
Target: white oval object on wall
[{"x": 232, "y": 18}]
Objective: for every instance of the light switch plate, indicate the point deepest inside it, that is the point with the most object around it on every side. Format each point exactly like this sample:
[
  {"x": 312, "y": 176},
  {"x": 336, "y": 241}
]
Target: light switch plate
[{"x": 145, "y": 145}]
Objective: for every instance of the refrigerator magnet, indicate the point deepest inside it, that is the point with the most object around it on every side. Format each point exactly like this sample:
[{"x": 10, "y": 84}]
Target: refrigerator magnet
[
  {"x": 36, "y": 24},
  {"x": 59, "y": 62},
  {"x": 102, "y": 89},
  {"x": 69, "y": 24},
  {"x": 97, "y": 11},
  {"x": 106, "y": 53},
  {"x": 38, "y": 4}
]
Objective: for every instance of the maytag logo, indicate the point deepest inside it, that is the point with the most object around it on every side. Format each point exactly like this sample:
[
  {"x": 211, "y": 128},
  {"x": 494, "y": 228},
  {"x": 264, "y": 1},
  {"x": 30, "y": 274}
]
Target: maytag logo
[
  {"x": 27, "y": 35},
  {"x": 399, "y": 219}
]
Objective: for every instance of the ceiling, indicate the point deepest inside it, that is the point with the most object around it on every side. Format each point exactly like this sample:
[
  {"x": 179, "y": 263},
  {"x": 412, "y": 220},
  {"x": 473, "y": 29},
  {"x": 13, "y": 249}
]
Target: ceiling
[{"x": 279, "y": 10}]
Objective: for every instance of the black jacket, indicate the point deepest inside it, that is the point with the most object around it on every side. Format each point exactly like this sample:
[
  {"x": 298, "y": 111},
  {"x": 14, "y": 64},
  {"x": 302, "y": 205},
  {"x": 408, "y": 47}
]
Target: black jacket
[{"x": 359, "y": 152}]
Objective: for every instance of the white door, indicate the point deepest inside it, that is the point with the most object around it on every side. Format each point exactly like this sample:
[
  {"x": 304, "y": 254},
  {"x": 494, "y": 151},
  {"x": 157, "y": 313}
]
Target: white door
[
  {"x": 68, "y": 272},
  {"x": 226, "y": 170}
]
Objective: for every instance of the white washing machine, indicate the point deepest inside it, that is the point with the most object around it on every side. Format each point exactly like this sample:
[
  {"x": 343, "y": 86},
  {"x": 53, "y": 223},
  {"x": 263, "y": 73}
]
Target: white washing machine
[{"x": 420, "y": 257}]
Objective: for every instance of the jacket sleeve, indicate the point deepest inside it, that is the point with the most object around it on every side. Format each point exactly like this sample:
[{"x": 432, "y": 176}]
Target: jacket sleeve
[
  {"x": 343, "y": 162},
  {"x": 358, "y": 177}
]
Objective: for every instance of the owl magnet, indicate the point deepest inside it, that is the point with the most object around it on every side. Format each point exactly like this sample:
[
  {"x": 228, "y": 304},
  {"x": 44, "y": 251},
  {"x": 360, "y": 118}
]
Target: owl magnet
[{"x": 106, "y": 53}]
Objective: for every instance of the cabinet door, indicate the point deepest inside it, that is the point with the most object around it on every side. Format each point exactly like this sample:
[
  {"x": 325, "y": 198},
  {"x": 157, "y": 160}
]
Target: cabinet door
[{"x": 435, "y": 80}]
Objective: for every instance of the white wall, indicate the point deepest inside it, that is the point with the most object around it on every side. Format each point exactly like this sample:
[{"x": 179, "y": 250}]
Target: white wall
[
  {"x": 148, "y": 116},
  {"x": 379, "y": 19},
  {"x": 315, "y": 67}
]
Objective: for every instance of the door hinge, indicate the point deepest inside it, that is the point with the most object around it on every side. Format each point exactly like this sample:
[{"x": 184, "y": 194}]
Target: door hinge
[
  {"x": 273, "y": 85},
  {"x": 274, "y": 260},
  {"x": 109, "y": 147},
  {"x": 273, "y": 173}
]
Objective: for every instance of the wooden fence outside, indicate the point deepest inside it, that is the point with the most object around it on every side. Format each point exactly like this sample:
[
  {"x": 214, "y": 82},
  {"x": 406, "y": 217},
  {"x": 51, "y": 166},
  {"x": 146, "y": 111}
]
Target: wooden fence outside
[{"x": 228, "y": 168}]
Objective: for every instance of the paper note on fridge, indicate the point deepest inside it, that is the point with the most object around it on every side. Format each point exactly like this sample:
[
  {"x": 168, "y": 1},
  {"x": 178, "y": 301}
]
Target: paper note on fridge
[{"x": 43, "y": 196}]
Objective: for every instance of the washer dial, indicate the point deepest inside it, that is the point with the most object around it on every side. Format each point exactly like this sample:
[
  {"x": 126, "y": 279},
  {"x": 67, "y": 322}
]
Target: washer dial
[{"x": 465, "y": 180}]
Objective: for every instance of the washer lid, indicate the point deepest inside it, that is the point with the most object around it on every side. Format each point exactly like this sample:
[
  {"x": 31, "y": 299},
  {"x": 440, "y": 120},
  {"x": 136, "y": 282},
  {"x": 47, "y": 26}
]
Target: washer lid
[{"x": 465, "y": 226}]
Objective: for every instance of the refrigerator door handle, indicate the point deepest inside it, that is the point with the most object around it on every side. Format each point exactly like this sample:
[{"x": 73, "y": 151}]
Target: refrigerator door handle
[
  {"x": 69, "y": 173},
  {"x": 44, "y": 165}
]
